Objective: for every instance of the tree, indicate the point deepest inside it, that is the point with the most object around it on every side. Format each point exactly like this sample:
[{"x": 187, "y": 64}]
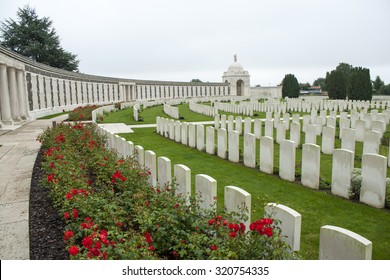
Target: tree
[
  {"x": 336, "y": 84},
  {"x": 359, "y": 84},
  {"x": 196, "y": 81},
  {"x": 304, "y": 86},
  {"x": 377, "y": 83},
  {"x": 290, "y": 86},
  {"x": 385, "y": 90},
  {"x": 35, "y": 38},
  {"x": 345, "y": 68},
  {"x": 319, "y": 82}
]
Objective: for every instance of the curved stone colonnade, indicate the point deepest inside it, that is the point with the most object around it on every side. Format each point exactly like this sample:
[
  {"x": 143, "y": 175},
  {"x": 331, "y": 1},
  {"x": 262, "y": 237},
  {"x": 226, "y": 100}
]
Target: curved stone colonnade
[{"x": 29, "y": 90}]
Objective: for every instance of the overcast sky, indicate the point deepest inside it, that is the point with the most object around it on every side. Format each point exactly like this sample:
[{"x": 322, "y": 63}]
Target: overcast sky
[{"x": 178, "y": 40}]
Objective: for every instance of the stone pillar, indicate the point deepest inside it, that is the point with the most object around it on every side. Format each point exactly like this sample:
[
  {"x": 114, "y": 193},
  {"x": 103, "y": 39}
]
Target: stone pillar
[
  {"x": 4, "y": 96},
  {"x": 22, "y": 94},
  {"x": 13, "y": 94}
]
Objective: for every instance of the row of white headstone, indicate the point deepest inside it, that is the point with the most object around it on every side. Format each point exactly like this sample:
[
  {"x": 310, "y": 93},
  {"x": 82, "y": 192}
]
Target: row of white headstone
[
  {"x": 202, "y": 109},
  {"x": 171, "y": 111},
  {"x": 294, "y": 105},
  {"x": 374, "y": 166},
  {"x": 335, "y": 242}
]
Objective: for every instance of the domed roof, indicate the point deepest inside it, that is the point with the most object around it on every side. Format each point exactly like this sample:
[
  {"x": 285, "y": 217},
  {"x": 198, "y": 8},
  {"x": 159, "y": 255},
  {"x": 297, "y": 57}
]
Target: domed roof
[{"x": 235, "y": 67}]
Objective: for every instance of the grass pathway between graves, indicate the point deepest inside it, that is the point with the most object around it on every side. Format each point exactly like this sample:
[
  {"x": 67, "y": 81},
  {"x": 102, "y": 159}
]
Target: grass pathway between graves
[{"x": 318, "y": 208}]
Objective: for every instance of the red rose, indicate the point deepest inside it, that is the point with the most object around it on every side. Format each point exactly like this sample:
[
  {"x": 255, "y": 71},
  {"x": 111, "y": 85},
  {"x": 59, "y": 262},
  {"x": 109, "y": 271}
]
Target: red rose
[
  {"x": 148, "y": 237},
  {"x": 66, "y": 215},
  {"x": 68, "y": 234},
  {"x": 69, "y": 196},
  {"x": 268, "y": 231},
  {"x": 151, "y": 248},
  {"x": 73, "y": 250},
  {"x": 213, "y": 247},
  {"x": 75, "y": 213},
  {"x": 211, "y": 221},
  {"x": 147, "y": 203},
  {"x": 95, "y": 251},
  {"x": 232, "y": 234},
  {"x": 87, "y": 242},
  {"x": 50, "y": 177}
]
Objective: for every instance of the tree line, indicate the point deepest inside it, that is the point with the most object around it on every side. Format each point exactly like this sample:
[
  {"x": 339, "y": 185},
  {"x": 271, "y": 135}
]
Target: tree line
[{"x": 343, "y": 82}]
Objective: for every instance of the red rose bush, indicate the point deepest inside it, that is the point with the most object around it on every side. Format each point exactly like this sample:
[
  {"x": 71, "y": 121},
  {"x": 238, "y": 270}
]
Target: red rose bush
[{"x": 112, "y": 213}]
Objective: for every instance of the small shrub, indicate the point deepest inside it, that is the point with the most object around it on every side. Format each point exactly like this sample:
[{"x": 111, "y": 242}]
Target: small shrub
[
  {"x": 356, "y": 184},
  {"x": 82, "y": 113},
  {"x": 388, "y": 192},
  {"x": 111, "y": 213}
]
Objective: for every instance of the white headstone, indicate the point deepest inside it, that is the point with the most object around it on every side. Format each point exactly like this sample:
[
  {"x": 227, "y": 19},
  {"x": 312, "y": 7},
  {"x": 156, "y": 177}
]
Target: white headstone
[
  {"x": 371, "y": 142},
  {"x": 206, "y": 187},
  {"x": 223, "y": 121},
  {"x": 374, "y": 172},
  {"x": 250, "y": 150},
  {"x": 328, "y": 138},
  {"x": 230, "y": 123},
  {"x": 348, "y": 140},
  {"x": 238, "y": 200},
  {"x": 234, "y": 146},
  {"x": 139, "y": 152},
  {"x": 239, "y": 124},
  {"x": 177, "y": 131},
  {"x": 164, "y": 172},
  {"x": 267, "y": 154},
  {"x": 341, "y": 244},
  {"x": 200, "y": 137},
  {"x": 290, "y": 225},
  {"x": 191, "y": 135},
  {"x": 210, "y": 138},
  {"x": 182, "y": 176},
  {"x": 310, "y": 134},
  {"x": 216, "y": 121},
  {"x": 360, "y": 129},
  {"x": 247, "y": 125},
  {"x": 287, "y": 160},
  {"x": 257, "y": 128},
  {"x": 310, "y": 171},
  {"x": 184, "y": 133},
  {"x": 222, "y": 143},
  {"x": 151, "y": 166},
  {"x": 295, "y": 133},
  {"x": 342, "y": 166},
  {"x": 269, "y": 128}
]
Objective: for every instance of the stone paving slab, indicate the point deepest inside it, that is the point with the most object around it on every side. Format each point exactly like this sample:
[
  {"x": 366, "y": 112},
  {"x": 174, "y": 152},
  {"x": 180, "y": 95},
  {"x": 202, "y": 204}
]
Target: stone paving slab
[
  {"x": 18, "y": 152},
  {"x": 116, "y": 127}
]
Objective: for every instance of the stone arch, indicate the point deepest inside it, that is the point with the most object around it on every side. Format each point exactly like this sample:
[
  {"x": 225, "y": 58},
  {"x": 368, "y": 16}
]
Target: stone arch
[{"x": 240, "y": 87}]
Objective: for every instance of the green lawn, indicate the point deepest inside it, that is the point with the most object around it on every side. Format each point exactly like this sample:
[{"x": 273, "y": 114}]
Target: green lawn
[
  {"x": 149, "y": 115},
  {"x": 52, "y": 116},
  {"x": 318, "y": 208}
]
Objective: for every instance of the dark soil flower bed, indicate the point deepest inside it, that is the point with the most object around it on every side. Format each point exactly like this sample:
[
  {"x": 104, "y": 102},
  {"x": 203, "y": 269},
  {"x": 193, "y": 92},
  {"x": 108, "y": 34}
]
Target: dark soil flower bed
[{"x": 45, "y": 223}]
